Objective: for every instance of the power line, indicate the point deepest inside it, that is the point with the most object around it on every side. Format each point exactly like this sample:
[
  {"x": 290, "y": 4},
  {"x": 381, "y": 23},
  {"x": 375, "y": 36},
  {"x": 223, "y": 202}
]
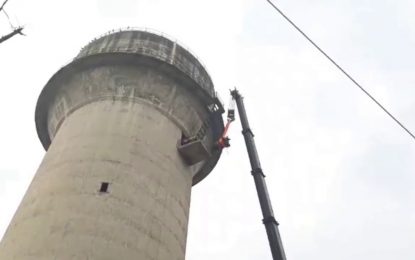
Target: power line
[{"x": 341, "y": 69}]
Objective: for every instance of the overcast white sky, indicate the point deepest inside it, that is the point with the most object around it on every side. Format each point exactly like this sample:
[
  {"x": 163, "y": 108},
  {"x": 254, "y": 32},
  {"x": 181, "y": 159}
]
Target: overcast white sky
[{"x": 341, "y": 174}]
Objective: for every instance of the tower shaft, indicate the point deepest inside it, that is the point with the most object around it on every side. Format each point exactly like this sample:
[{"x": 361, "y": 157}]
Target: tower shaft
[
  {"x": 142, "y": 215},
  {"x": 129, "y": 126}
]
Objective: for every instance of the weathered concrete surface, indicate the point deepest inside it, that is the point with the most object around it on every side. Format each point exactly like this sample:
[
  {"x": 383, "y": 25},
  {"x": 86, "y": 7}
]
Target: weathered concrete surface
[
  {"x": 144, "y": 214},
  {"x": 136, "y": 50},
  {"x": 115, "y": 115}
]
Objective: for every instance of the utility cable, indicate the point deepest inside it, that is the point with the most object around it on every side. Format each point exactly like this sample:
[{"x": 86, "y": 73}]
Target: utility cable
[{"x": 341, "y": 69}]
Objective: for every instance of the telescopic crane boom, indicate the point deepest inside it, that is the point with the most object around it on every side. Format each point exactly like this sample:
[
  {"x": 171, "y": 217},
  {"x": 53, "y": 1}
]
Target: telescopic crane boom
[{"x": 271, "y": 225}]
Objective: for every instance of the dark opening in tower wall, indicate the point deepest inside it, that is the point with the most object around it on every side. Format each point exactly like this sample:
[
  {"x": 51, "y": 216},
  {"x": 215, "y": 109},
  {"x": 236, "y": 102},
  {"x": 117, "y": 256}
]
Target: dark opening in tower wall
[{"x": 104, "y": 187}]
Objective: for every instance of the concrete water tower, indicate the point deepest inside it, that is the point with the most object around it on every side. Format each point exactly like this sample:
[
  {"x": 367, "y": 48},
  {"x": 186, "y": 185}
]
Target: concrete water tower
[{"x": 129, "y": 126}]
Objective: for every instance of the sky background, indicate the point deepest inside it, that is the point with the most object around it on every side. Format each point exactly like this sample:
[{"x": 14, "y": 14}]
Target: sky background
[{"x": 340, "y": 173}]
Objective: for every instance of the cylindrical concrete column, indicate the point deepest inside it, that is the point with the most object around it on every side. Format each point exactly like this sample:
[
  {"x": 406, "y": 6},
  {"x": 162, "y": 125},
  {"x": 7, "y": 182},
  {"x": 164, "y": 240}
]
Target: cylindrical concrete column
[{"x": 129, "y": 126}]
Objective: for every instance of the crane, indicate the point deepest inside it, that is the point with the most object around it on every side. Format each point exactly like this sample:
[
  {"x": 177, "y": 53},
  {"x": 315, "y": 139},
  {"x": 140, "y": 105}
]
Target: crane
[{"x": 271, "y": 225}]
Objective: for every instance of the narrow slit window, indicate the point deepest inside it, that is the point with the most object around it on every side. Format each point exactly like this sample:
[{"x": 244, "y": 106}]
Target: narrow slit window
[{"x": 104, "y": 187}]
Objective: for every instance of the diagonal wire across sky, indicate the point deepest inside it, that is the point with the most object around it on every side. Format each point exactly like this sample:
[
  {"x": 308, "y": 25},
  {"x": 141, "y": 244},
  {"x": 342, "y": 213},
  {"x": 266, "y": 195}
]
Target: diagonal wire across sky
[{"x": 341, "y": 69}]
